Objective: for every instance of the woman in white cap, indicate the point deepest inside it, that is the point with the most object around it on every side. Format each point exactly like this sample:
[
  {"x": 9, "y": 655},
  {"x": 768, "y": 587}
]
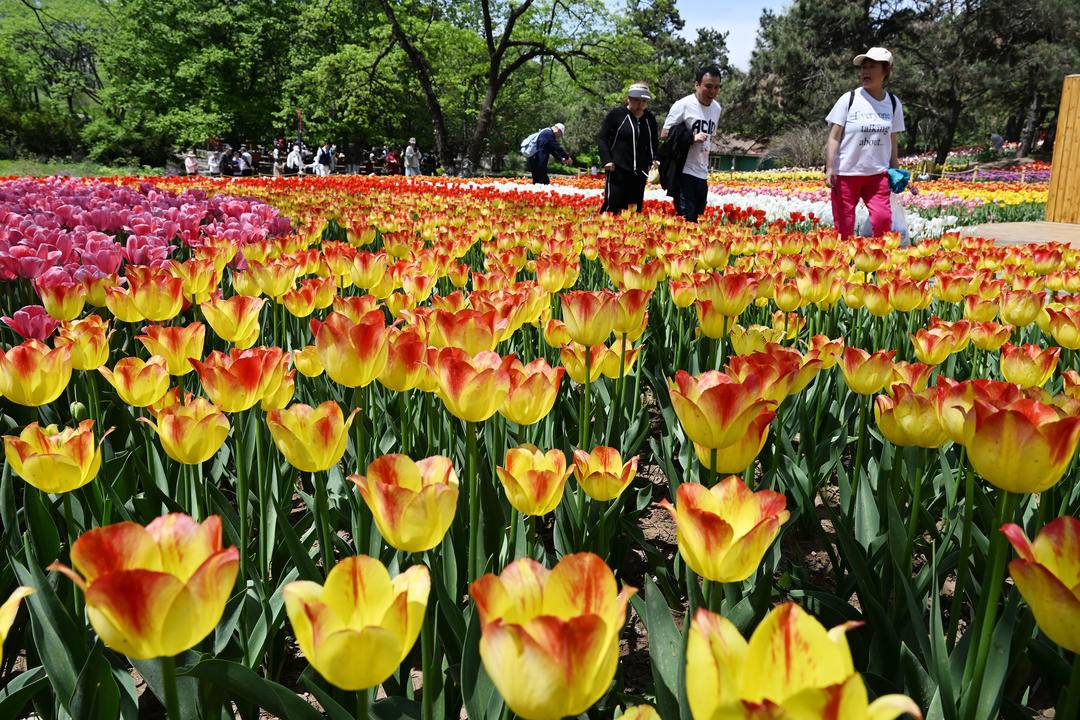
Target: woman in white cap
[
  {"x": 412, "y": 158},
  {"x": 863, "y": 125},
  {"x": 628, "y": 141}
]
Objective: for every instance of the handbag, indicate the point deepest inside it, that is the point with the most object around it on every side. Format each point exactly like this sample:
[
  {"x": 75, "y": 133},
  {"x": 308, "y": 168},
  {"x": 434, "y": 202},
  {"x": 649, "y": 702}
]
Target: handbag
[{"x": 898, "y": 180}]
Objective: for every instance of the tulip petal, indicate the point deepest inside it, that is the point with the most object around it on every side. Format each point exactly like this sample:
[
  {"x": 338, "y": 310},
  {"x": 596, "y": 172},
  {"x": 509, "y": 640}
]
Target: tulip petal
[
  {"x": 1057, "y": 548},
  {"x": 790, "y": 651},
  {"x": 358, "y": 591},
  {"x": 581, "y": 584},
  {"x": 715, "y": 651},
  {"x": 1055, "y": 607},
  {"x": 358, "y": 659},
  {"x": 114, "y": 548},
  {"x": 128, "y": 609},
  {"x": 890, "y": 707}
]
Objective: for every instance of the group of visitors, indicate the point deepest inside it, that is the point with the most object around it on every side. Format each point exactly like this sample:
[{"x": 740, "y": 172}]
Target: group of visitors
[
  {"x": 861, "y": 149},
  {"x": 229, "y": 161}
]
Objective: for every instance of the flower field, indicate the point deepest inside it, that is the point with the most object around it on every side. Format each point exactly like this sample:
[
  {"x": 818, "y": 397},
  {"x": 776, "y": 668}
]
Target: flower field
[{"x": 366, "y": 447}]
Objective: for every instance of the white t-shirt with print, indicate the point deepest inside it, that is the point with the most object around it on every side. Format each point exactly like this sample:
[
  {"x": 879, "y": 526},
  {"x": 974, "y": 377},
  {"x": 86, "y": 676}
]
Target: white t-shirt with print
[
  {"x": 866, "y": 146},
  {"x": 698, "y": 118}
]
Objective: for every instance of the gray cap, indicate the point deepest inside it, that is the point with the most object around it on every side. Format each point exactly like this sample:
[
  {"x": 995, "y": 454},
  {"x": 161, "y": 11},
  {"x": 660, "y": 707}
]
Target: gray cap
[
  {"x": 639, "y": 90},
  {"x": 412, "y": 141},
  {"x": 559, "y": 126}
]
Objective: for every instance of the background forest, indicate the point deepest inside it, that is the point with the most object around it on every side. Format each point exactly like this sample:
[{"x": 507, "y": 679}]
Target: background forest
[{"x": 131, "y": 81}]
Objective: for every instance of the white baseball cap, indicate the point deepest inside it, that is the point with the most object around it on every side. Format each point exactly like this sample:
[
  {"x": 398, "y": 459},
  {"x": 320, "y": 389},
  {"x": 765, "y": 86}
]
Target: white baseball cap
[
  {"x": 559, "y": 126},
  {"x": 878, "y": 54},
  {"x": 412, "y": 141}
]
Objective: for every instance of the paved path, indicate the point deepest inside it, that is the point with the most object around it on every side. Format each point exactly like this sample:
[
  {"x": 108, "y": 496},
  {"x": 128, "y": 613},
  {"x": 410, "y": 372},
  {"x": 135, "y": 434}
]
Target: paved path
[{"x": 1026, "y": 233}]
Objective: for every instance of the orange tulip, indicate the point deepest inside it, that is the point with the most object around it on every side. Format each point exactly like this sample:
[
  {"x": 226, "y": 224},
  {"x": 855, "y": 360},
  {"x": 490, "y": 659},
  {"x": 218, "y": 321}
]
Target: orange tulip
[
  {"x": 533, "y": 480},
  {"x": 88, "y": 339},
  {"x": 154, "y": 591},
  {"x": 472, "y": 388},
  {"x": 138, "y": 383},
  {"x": 602, "y": 474},
  {"x": 52, "y": 460},
  {"x": 1065, "y": 327},
  {"x": 990, "y": 336},
  {"x": 915, "y": 375},
  {"x": 714, "y": 409},
  {"x": 307, "y": 361},
  {"x": 909, "y": 418},
  {"x": 235, "y": 320},
  {"x": 192, "y": 431},
  {"x": 237, "y": 381},
  {"x": 405, "y": 358},
  {"x": 1021, "y": 307},
  {"x": 589, "y": 316},
  {"x": 33, "y": 374},
  {"x": 992, "y": 433},
  {"x": 198, "y": 276},
  {"x": 631, "y": 310},
  {"x": 933, "y": 347},
  {"x": 368, "y": 269},
  {"x": 550, "y": 639},
  {"x": 723, "y": 532},
  {"x": 312, "y": 294},
  {"x": 155, "y": 292},
  {"x": 354, "y": 354},
  {"x": 355, "y": 307},
  {"x": 866, "y": 373},
  {"x": 413, "y": 503},
  {"x": 1047, "y": 574},
  {"x": 63, "y": 299},
  {"x": 312, "y": 439},
  {"x": 573, "y": 359},
  {"x": 826, "y": 350},
  {"x": 730, "y": 293},
  {"x": 470, "y": 330},
  {"x": 177, "y": 344},
  {"x": 533, "y": 389},
  {"x": 738, "y": 456},
  {"x": 792, "y": 667},
  {"x": 1028, "y": 365}
]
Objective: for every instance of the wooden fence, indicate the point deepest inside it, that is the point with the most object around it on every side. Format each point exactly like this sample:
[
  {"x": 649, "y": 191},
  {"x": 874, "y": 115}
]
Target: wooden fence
[{"x": 1063, "y": 204}]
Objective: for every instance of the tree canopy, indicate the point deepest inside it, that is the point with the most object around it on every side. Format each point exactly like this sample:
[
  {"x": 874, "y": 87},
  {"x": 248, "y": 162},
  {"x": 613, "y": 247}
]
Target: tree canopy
[{"x": 138, "y": 79}]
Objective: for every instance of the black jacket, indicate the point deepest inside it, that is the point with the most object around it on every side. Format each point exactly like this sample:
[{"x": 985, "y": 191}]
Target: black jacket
[
  {"x": 629, "y": 142},
  {"x": 673, "y": 156}
]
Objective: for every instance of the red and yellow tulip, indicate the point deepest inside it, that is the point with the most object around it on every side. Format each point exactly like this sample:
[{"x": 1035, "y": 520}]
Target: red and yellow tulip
[
  {"x": 52, "y": 460},
  {"x": 602, "y": 474},
  {"x": 312, "y": 439},
  {"x": 34, "y": 374},
  {"x": 1047, "y": 574},
  {"x": 413, "y": 503},
  {"x": 154, "y": 591},
  {"x": 357, "y": 627},
  {"x": 723, "y": 532},
  {"x": 138, "y": 382},
  {"x": 192, "y": 431},
  {"x": 792, "y": 667},
  {"x": 533, "y": 480},
  {"x": 550, "y": 639}
]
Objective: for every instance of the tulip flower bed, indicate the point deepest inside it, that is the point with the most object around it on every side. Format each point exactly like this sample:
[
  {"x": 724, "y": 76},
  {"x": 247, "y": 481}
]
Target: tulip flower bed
[{"x": 378, "y": 448}]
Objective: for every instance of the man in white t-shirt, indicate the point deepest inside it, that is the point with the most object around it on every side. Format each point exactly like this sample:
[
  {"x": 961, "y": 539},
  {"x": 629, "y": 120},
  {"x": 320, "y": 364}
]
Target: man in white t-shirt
[
  {"x": 700, "y": 113},
  {"x": 861, "y": 148}
]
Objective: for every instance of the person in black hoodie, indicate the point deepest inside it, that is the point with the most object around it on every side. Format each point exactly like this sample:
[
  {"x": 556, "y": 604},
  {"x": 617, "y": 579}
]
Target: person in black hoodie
[{"x": 628, "y": 141}]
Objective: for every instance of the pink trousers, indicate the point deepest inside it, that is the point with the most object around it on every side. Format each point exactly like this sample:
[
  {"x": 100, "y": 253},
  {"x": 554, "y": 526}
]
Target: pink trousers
[{"x": 872, "y": 190}]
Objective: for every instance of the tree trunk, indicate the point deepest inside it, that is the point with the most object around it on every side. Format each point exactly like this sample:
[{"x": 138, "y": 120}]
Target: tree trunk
[
  {"x": 949, "y": 133},
  {"x": 483, "y": 124},
  {"x": 423, "y": 72},
  {"x": 1027, "y": 138}
]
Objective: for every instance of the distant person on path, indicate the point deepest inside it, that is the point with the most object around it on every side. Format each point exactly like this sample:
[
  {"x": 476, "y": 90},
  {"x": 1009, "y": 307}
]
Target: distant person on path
[
  {"x": 295, "y": 160},
  {"x": 213, "y": 163},
  {"x": 862, "y": 145},
  {"x": 628, "y": 142},
  {"x": 412, "y": 159},
  {"x": 324, "y": 156},
  {"x": 547, "y": 144},
  {"x": 191, "y": 163},
  {"x": 392, "y": 162},
  {"x": 699, "y": 113}
]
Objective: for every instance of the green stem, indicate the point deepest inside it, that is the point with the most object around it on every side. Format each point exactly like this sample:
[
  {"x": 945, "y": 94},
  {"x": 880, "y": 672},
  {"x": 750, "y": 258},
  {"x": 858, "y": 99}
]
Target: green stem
[
  {"x": 362, "y": 705},
  {"x": 427, "y": 651},
  {"x": 1071, "y": 704},
  {"x": 472, "y": 481},
  {"x": 242, "y": 470},
  {"x": 916, "y": 500},
  {"x": 69, "y": 522},
  {"x": 168, "y": 679},
  {"x": 984, "y": 625},
  {"x": 963, "y": 563},
  {"x": 322, "y": 510},
  {"x": 856, "y": 468},
  {"x": 263, "y": 480},
  {"x": 584, "y": 431}
]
